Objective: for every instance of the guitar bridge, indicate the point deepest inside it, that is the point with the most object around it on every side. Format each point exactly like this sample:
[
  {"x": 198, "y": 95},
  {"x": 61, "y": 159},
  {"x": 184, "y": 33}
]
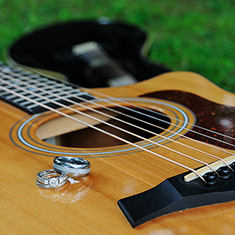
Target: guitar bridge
[{"x": 174, "y": 194}]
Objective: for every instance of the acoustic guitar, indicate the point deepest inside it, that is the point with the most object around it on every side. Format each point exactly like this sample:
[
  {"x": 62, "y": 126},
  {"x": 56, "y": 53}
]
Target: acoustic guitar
[
  {"x": 90, "y": 53},
  {"x": 161, "y": 154}
]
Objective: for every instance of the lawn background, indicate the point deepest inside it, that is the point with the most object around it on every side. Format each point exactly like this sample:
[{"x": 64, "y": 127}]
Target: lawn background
[{"x": 193, "y": 35}]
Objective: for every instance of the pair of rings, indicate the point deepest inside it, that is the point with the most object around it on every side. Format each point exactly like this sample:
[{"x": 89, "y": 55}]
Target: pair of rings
[{"x": 63, "y": 168}]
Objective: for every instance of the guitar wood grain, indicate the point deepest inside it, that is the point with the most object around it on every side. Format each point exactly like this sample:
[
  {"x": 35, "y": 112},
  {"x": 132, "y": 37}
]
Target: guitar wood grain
[{"x": 90, "y": 207}]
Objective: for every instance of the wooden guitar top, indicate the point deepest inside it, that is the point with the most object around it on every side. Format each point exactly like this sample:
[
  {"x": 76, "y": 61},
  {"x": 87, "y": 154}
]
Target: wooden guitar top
[{"x": 90, "y": 205}]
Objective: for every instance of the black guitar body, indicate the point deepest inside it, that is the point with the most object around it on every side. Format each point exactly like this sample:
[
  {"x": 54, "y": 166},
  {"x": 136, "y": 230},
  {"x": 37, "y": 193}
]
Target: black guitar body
[{"x": 51, "y": 49}]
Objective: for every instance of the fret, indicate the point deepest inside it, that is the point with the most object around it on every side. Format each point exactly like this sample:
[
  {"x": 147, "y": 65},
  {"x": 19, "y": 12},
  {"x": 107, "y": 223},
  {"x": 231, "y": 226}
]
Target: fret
[
  {"x": 3, "y": 93},
  {"x": 18, "y": 100},
  {"x": 7, "y": 86},
  {"x": 47, "y": 87},
  {"x": 50, "y": 83},
  {"x": 41, "y": 79},
  {"x": 38, "y": 99},
  {"x": 32, "y": 106},
  {"x": 85, "y": 48},
  {"x": 11, "y": 97},
  {"x": 64, "y": 88}
]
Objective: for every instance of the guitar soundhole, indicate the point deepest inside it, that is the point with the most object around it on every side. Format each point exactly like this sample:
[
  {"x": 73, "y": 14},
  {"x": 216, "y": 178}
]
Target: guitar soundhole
[{"x": 90, "y": 138}]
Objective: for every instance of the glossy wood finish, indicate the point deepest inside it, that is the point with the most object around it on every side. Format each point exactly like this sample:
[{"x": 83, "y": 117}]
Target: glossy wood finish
[
  {"x": 90, "y": 207},
  {"x": 50, "y": 50}
]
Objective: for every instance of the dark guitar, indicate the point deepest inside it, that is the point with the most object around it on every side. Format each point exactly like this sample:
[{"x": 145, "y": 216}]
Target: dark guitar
[
  {"x": 172, "y": 135},
  {"x": 90, "y": 53}
]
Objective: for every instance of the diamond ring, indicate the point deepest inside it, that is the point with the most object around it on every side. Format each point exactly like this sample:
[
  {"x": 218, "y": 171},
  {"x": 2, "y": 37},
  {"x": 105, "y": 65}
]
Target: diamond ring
[
  {"x": 51, "y": 179},
  {"x": 71, "y": 166}
]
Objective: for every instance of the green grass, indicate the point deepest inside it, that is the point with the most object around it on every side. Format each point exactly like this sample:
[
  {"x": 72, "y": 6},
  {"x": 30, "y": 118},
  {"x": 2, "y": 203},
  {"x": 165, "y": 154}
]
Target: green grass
[{"x": 191, "y": 35}]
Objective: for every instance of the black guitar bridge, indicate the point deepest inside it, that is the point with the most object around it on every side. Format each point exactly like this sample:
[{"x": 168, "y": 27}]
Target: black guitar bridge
[{"x": 174, "y": 194}]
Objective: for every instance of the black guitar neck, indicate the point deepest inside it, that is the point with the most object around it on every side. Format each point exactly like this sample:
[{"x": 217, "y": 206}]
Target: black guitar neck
[{"x": 115, "y": 55}]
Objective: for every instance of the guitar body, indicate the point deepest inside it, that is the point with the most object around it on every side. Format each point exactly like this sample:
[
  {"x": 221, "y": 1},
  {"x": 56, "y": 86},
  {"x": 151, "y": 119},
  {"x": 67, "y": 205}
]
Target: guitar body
[
  {"x": 90, "y": 205},
  {"x": 49, "y": 50}
]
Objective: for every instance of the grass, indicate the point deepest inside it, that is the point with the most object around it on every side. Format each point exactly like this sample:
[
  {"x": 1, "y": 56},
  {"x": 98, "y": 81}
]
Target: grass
[{"x": 191, "y": 35}]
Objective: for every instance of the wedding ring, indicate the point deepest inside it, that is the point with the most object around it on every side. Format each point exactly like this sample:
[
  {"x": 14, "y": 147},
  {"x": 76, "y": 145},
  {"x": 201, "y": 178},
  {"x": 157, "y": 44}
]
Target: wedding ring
[
  {"x": 51, "y": 179},
  {"x": 72, "y": 166}
]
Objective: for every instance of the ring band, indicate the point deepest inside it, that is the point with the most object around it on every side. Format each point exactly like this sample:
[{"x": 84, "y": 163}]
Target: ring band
[
  {"x": 51, "y": 179},
  {"x": 72, "y": 166}
]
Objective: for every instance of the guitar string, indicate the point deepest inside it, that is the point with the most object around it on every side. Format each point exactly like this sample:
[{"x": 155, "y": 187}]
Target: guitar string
[
  {"x": 152, "y": 132},
  {"x": 104, "y": 53},
  {"x": 89, "y": 125},
  {"x": 154, "y": 125},
  {"x": 152, "y": 111},
  {"x": 121, "y": 129},
  {"x": 70, "y": 101},
  {"x": 118, "y": 71},
  {"x": 113, "y": 74},
  {"x": 96, "y": 47},
  {"x": 120, "y": 120},
  {"x": 111, "y": 117},
  {"x": 190, "y": 130},
  {"x": 94, "y": 53},
  {"x": 185, "y": 136}
]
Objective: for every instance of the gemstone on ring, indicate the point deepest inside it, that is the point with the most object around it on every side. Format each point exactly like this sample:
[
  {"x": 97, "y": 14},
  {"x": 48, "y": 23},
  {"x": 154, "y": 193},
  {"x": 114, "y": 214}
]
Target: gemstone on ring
[
  {"x": 54, "y": 182},
  {"x": 51, "y": 179}
]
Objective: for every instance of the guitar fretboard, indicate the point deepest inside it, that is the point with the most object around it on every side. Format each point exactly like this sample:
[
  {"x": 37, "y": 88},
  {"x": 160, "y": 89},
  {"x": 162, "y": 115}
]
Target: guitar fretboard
[
  {"x": 29, "y": 84},
  {"x": 99, "y": 60}
]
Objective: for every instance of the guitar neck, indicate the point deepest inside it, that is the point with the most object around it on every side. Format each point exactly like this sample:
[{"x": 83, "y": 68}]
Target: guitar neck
[
  {"x": 24, "y": 96},
  {"x": 102, "y": 64}
]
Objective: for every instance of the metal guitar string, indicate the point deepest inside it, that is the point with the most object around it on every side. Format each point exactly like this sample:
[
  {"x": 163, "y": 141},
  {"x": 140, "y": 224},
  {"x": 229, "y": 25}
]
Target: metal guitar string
[
  {"x": 133, "y": 110},
  {"x": 190, "y": 130},
  {"x": 123, "y": 130},
  {"x": 110, "y": 117},
  {"x": 121, "y": 78},
  {"x": 113, "y": 110},
  {"x": 165, "y": 138},
  {"x": 120, "y": 120},
  {"x": 110, "y": 72},
  {"x": 136, "y": 127},
  {"x": 152, "y": 111},
  {"x": 104, "y": 58},
  {"x": 89, "y": 125}
]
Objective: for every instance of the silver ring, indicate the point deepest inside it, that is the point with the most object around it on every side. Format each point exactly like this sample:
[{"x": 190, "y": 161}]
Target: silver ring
[
  {"x": 72, "y": 166},
  {"x": 51, "y": 179}
]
